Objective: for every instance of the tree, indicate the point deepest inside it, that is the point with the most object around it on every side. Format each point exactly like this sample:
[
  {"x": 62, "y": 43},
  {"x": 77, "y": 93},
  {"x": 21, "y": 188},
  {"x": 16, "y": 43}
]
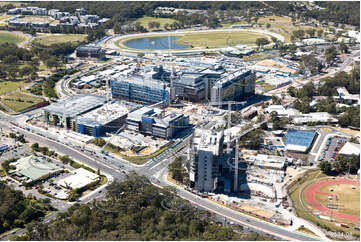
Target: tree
[
  {"x": 151, "y": 24},
  {"x": 325, "y": 167},
  {"x": 156, "y": 25},
  {"x": 340, "y": 165},
  {"x": 262, "y": 42},
  {"x": 311, "y": 64},
  {"x": 51, "y": 62},
  {"x": 276, "y": 100},
  {"x": 35, "y": 147},
  {"x": 320, "y": 33},
  {"x": 311, "y": 32},
  {"x": 292, "y": 91},
  {"x": 166, "y": 26},
  {"x": 268, "y": 25},
  {"x": 343, "y": 48},
  {"x": 177, "y": 169},
  {"x": 330, "y": 54},
  {"x": 26, "y": 70},
  {"x": 10, "y": 60}
]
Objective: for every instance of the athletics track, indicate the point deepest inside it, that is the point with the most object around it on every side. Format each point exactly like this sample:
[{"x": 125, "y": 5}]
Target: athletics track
[{"x": 311, "y": 191}]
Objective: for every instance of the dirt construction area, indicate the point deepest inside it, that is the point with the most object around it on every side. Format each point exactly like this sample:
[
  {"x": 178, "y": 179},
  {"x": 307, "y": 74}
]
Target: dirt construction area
[{"x": 275, "y": 64}]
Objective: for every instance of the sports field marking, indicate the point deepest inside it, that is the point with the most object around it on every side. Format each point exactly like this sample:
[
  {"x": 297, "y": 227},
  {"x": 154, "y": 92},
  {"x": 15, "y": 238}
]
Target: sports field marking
[{"x": 310, "y": 195}]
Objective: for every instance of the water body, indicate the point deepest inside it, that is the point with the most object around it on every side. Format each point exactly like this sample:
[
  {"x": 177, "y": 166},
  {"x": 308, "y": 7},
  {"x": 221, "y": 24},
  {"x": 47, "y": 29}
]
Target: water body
[{"x": 154, "y": 43}]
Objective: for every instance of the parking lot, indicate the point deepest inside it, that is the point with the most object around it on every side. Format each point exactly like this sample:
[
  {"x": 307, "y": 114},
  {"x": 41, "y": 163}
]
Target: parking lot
[{"x": 332, "y": 146}]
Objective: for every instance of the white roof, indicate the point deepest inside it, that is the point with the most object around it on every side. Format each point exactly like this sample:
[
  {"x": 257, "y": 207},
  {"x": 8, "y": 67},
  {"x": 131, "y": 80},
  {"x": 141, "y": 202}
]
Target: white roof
[
  {"x": 78, "y": 179},
  {"x": 279, "y": 109},
  {"x": 299, "y": 148},
  {"x": 350, "y": 149}
]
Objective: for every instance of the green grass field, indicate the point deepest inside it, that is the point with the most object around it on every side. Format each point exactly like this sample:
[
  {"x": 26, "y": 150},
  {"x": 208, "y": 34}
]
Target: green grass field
[
  {"x": 141, "y": 159},
  {"x": 16, "y": 4},
  {"x": 267, "y": 87},
  {"x": 294, "y": 190},
  {"x": 59, "y": 38},
  {"x": 20, "y": 101},
  {"x": 4, "y": 17},
  {"x": 281, "y": 25},
  {"x": 219, "y": 39},
  {"x": 36, "y": 19},
  {"x": 145, "y": 20},
  {"x": 348, "y": 198},
  {"x": 8, "y": 86},
  {"x": 209, "y": 39},
  {"x": 11, "y": 38}
]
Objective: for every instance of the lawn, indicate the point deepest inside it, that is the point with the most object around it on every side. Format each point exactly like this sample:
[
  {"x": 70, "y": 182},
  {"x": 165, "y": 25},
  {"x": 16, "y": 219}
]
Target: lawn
[
  {"x": 36, "y": 19},
  {"x": 59, "y": 38},
  {"x": 20, "y": 101},
  {"x": 281, "y": 25},
  {"x": 140, "y": 159},
  {"x": 16, "y": 4},
  {"x": 326, "y": 130},
  {"x": 219, "y": 39},
  {"x": 267, "y": 87},
  {"x": 11, "y": 38},
  {"x": 8, "y": 86},
  {"x": 349, "y": 131},
  {"x": 348, "y": 198},
  {"x": 4, "y": 17},
  {"x": 145, "y": 20},
  {"x": 209, "y": 39},
  {"x": 294, "y": 190}
]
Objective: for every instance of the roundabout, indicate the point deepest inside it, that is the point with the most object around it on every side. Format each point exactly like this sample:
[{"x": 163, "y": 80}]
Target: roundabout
[{"x": 189, "y": 41}]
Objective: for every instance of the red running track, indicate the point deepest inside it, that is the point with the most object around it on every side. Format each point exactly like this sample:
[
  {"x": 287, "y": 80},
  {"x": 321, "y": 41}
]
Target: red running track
[{"x": 311, "y": 198}]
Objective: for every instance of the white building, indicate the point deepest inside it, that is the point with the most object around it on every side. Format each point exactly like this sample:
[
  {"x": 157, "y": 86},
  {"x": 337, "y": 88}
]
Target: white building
[
  {"x": 279, "y": 109},
  {"x": 322, "y": 117},
  {"x": 205, "y": 157},
  {"x": 345, "y": 95},
  {"x": 79, "y": 179},
  {"x": 314, "y": 41},
  {"x": 350, "y": 149}
]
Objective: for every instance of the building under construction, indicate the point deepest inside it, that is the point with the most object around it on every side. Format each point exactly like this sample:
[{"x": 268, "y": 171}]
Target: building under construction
[
  {"x": 154, "y": 122},
  {"x": 213, "y": 168},
  {"x": 64, "y": 112},
  {"x": 89, "y": 114},
  {"x": 139, "y": 89},
  {"x": 234, "y": 86}
]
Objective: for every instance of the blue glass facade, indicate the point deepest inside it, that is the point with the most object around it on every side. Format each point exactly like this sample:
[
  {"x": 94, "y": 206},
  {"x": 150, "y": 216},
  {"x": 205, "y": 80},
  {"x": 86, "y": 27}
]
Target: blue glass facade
[{"x": 134, "y": 91}]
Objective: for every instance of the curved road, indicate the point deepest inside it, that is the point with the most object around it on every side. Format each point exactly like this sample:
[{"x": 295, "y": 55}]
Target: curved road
[{"x": 149, "y": 171}]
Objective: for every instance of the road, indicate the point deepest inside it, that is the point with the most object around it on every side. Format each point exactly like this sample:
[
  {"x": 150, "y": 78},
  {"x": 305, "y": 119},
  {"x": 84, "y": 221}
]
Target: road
[{"x": 152, "y": 171}]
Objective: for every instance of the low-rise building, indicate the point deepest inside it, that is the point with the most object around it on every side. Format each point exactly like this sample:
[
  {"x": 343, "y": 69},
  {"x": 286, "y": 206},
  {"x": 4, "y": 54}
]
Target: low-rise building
[
  {"x": 270, "y": 162},
  {"x": 108, "y": 118},
  {"x": 317, "y": 117},
  {"x": 89, "y": 51},
  {"x": 64, "y": 112},
  {"x": 350, "y": 149},
  {"x": 33, "y": 168},
  {"x": 299, "y": 141},
  {"x": 79, "y": 179},
  {"x": 152, "y": 121}
]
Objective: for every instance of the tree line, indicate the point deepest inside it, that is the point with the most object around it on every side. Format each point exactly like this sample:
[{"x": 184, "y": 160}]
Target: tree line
[
  {"x": 135, "y": 210},
  {"x": 16, "y": 210}
]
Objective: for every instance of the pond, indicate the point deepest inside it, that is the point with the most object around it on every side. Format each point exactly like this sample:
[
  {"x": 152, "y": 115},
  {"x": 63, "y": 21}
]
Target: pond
[{"x": 154, "y": 43}]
